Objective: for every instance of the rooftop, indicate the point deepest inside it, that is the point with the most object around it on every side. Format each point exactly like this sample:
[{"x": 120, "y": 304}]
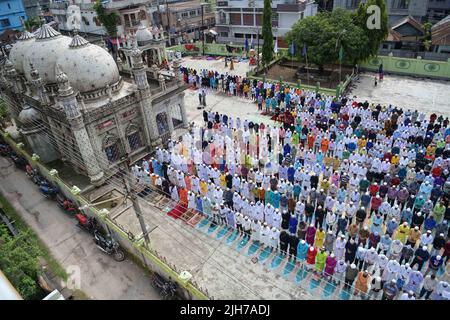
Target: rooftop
[{"x": 440, "y": 32}]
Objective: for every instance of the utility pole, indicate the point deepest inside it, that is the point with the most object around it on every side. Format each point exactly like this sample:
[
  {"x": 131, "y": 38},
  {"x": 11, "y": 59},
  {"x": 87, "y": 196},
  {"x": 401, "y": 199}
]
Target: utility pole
[
  {"x": 168, "y": 22},
  {"x": 203, "y": 30},
  {"x": 131, "y": 193},
  {"x": 257, "y": 56}
]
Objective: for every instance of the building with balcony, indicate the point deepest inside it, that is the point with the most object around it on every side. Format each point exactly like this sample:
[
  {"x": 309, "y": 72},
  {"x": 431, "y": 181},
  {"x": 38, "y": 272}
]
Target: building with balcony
[
  {"x": 33, "y": 8},
  {"x": 130, "y": 12},
  {"x": 397, "y": 9},
  {"x": 11, "y": 13},
  {"x": 185, "y": 20},
  {"x": 438, "y": 10},
  {"x": 237, "y": 20}
]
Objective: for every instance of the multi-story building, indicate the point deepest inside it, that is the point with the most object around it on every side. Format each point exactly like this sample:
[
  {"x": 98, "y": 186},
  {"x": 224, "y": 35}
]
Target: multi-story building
[
  {"x": 33, "y": 7},
  {"x": 70, "y": 102},
  {"x": 11, "y": 13},
  {"x": 237, "y": 20},
  {"x": 438, "y": 10},
  {"x": 130, "y": 12},
  {"x": 421, "y": 10},
  {"x": 397, "y": 9},
  {"x": 185, "y": 20}
]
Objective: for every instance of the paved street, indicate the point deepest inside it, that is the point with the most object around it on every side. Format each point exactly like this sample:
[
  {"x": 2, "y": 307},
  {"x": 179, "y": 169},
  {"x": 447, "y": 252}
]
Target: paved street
[{"x": 101, "y": 276}]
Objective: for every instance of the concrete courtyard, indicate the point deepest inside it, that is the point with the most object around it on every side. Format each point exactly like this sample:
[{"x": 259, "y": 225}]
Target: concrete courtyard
[
  {"x": 407, "y": 92},
  {"x": 240, "y": 68}
]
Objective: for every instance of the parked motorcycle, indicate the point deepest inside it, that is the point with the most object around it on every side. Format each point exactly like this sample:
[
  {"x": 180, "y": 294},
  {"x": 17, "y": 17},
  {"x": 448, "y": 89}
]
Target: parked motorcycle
[
  {"x": 88, "y": 224},
  {"x": 167, "y": 289},
  {"x": 19, "y": 161},
  {"x": 5, "y": 149},
  {"x": 48, "y": 190},
  {"x": 108, "y": 246},
  {"x": 66, "y": 204}
]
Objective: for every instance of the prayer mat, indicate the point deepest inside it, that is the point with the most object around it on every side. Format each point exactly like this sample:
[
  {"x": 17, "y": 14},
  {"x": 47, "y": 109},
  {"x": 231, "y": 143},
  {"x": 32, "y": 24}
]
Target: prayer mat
[
  {"x": 195, "y": 219},
  {"x": 276, "y": 261},
  {"x": 265, "y": 253},
  {"x": 212, "y": 228},
  {"x": 223, "y": 231},
  {"x": 202, "y": 223},
  {"x": 328, "y": 290},
  {"x": 242, "y": 243},
  {"x": 301, "y": 274},
  {"x": 288, "y": 268},
  {"x": 177, "y": 212},
  {"x": 232, "y": 237},
  {"x": 253, "y": 248}
]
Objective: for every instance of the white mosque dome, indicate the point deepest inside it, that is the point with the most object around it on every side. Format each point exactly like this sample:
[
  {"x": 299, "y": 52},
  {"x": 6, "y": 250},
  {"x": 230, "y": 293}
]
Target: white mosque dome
[
  {"x": 88, "y": 67},
  {"x": 48, "y": 46},
  {"x": 143, "y": 35},
  {"x": 19, "y": 50},
  {"x": 29, "y": 116}
]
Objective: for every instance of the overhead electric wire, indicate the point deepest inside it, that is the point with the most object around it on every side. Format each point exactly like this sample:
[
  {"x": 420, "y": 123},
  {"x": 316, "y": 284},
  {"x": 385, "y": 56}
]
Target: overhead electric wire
[{"x": 119, "y": 184}]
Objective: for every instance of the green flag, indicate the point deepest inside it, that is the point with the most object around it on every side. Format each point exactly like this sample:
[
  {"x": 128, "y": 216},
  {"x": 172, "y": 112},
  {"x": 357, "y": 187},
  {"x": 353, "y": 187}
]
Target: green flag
[{"x": 341, "y": 54}]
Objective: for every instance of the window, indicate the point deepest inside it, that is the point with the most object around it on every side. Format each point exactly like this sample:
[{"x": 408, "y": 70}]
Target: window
[
  {"x": 134, "y": 140},
  {"x": 248, "y": 19},
  {"x": 235, "y": 19},
  {"x": 184, "y": 15},
  {"x": 111, "y": 147},
  {"x": 163, "y": 125},
  {"x": 238, "y": 35},
  {"x": 85, "y": 20},
  {"x": 97, "y": 22},
  {"x": 224, "y": 34},
  {"x": 133, "y": 136},
  {"x": 193, "y": 13},
  {"x": 222, "y": 17},
  {"x": 112, "y": 152},
  {"x": 400, "y": 4},
  {"x": 4, "y": 22}
]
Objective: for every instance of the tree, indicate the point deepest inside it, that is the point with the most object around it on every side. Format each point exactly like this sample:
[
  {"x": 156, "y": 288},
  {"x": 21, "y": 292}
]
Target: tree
[
  {"x": 31, "y": 24},
  {"x": 3, "y": 112},
  {"x": 108, "y": 19},
  {"x": 426, "y": 39},
  {"x": 325, "y": 33},
  {"x": 267, "y": 49},
  {"x": 368, "y": 21},
  {"x": 19, "y": 261}
]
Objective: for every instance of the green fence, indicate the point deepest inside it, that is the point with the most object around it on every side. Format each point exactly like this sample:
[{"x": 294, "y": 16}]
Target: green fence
[
  {"x": 217, "y": 49},
  {"x": 214, "y": 49},
  {"x": 412, "y": 67},
  {"x": 155, "y": 260}
]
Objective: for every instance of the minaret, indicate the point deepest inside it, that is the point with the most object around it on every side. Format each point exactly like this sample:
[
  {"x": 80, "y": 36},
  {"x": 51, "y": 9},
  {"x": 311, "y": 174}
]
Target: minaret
[
  {"x": 38, "y": 86},
  {"x": 13, "y": 77},
  {"x": 67, "y": 97},
  {"x": 140, "y": 78}
]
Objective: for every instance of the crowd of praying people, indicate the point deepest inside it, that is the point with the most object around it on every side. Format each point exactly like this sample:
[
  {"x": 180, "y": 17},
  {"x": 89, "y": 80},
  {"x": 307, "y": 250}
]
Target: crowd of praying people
[{"x": 356, "y": 193}]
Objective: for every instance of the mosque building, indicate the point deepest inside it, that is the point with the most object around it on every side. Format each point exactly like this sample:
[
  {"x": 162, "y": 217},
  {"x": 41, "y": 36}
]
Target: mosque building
[{"x": 70, "y": 102}]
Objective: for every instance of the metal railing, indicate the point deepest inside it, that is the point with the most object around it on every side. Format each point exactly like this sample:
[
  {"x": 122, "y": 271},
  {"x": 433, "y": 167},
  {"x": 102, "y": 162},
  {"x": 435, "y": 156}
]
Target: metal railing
[{"x": 122, "y": 234}]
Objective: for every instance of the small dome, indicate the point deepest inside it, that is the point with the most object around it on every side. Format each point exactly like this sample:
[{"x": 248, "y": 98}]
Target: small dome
[
  {"x": 143, "y": 35},
  {"x": 20, "y": 49},
  {"x": 48, "y": 46},
  {"x": 29, "y": 116},
  {"x": 87, "y": 66}
]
